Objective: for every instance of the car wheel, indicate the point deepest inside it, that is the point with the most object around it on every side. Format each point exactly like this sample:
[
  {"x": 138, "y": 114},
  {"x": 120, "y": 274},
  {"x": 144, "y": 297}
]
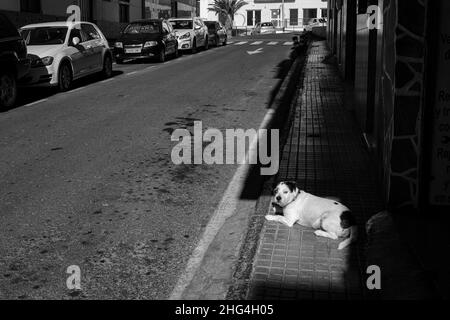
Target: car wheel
[
  {"x": 162, "y": 55},
  {"x": 194, "y": 46},
  {"x": 176, "y": 53},
  {"x": 217, "y": 41},
  {"x": 206, "y": 46},
  {"x": 225, "y": 41},
  {"x": 8, "y": 90},
  {"x": 64, "y": 77},
  {"x": 107, "y": 67},
  {"x": 119, "y": 61}
]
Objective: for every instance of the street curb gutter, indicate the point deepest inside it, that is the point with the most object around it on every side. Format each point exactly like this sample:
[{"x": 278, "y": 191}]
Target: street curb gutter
[
  {"x": 206, "y": 276},
  {"x": 284, "y": 103}
]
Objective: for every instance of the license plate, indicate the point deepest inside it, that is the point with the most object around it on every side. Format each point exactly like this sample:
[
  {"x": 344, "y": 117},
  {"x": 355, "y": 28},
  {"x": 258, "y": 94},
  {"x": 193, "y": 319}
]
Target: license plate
[{"x": 138, "y": 50}]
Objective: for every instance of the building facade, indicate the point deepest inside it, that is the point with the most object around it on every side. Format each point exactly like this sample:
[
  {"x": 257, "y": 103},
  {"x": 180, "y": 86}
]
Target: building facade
[
  {"x": 110, "y": 15},
  {"x": 396, "y": 57},
  {"x": 283, "y": 13}
]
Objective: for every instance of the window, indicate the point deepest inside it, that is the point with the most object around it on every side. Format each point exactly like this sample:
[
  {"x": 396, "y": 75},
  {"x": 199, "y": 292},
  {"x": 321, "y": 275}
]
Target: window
[
  {"x": 77, "y": 32},
  {"x": 124, "y": 11},
  {"x": 90, "y": 32},
  {"x": 253, "y": 17},
  {"x": 309, "y": 15},
  {"x": 324, "y": 12},
  {"x": 257, "y": 16},
  {"x": 249, "y": 17},
  {"x": 33, "y": 6},
  {"x": 293, "y": 17}
]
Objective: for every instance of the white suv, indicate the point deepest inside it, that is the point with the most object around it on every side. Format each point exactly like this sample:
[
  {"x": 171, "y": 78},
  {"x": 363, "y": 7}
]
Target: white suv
[{"x": 191, "y": 33}]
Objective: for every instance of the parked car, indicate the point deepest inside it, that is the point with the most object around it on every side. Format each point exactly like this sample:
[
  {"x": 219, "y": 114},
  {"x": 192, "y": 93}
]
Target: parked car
[
  {"x": 146, "y": 38},
  {"x": 315, "y": 22},
  {"x": 14, "y": 63},
  {"x": 263, "y": 28},
  {"x": 61, "y": 52},
  {"x": 192, "y": 33},
  {"x": 217, "y": 33}
]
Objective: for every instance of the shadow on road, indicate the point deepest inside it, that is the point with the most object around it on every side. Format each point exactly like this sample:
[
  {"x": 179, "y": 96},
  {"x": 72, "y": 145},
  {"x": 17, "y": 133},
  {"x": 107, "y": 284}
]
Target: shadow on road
[{"x": 27, "y": 95}]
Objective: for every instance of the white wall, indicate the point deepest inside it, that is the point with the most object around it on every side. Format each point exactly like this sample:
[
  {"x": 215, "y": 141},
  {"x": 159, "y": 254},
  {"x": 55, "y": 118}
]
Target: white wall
[
  {"x": 205, "y": 13},
  {"x": 241, "y": 15}
]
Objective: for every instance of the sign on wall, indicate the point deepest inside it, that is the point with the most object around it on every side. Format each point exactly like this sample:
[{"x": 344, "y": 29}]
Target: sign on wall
[{"x": 440, "y": 163}]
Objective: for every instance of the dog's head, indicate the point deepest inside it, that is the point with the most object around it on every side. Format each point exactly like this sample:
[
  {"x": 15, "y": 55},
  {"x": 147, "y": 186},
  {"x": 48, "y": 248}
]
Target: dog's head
[{"x": 284, "y": 193}]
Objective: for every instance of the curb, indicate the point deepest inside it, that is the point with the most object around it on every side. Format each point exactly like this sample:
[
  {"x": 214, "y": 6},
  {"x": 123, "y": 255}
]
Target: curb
[{"x": 283, "y": 115}]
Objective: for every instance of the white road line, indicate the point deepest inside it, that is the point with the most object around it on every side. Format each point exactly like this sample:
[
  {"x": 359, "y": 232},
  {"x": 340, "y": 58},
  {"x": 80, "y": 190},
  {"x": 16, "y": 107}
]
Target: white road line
[
  {"x": 130, "y": 73},
  {"x": 75, "y": 90},
  {"x": 230, "y": 42},
  {"x": 107, "y": 80},
  {"x": 288, "y": 43},
  {"x": 240, "y": 43},
  {"x": 35, "y": 102},
  {"x": 272, "y": 43},
  {"x": 256, "y": 43},
  {"x": 226, "y": 209}
]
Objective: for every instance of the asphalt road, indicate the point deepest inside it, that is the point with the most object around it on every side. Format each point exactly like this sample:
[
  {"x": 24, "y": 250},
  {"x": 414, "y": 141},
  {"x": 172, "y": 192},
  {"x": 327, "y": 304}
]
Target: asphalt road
[{"x": 86, "y": 176}]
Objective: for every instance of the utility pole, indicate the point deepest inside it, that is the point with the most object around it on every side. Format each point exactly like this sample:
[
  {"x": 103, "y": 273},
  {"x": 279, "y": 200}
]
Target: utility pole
[{"x": 282, "y": 13}]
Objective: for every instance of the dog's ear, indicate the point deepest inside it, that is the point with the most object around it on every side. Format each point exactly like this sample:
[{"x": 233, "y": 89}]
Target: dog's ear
[{"x": 292, "y": 185}]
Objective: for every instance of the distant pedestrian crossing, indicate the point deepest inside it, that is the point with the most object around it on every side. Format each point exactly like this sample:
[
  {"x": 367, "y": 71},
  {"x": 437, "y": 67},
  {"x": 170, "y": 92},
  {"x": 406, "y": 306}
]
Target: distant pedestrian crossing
[{"x": 259, "y": 43}]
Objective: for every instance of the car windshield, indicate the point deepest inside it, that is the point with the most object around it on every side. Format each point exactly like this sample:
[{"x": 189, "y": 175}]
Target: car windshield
[
  {"x": 44, "y": 35},
  {"x": 142, "y": 27},
  {"x": 210, "y": 25},
  {"x": 181, "y": 24}
]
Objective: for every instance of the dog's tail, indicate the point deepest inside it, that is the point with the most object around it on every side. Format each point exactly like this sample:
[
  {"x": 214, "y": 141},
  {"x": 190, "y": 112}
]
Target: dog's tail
[{"x": 348, "y": 222}]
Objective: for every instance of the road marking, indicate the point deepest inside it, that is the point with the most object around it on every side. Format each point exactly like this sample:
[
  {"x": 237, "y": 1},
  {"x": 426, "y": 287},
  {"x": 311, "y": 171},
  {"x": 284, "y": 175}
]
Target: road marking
[
  {"x": 259, "y": 50},
  {"x": 75, "y": 90},
  {"x": 240, "y": 43},
  {"x": 226, "y": 209},
  {"x": 35, "y": 102},
  {"x": 130, "y": 73},
  {"x": 107, "y": 80},
  {"x": 256, "y": 43},
  {"x": 272, "y": 43},
  {"x": 288, "y": 43},
  {"x": 230, "y": 42}
]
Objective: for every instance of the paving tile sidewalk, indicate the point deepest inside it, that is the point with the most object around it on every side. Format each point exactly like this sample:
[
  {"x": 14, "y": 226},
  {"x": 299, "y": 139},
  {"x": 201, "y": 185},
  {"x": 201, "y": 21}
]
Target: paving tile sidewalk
[{"x": 326, "y": 155}]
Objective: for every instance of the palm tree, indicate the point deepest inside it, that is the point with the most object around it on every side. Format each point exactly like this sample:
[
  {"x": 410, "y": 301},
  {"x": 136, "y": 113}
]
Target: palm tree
[{"x": 226, "y": 9}]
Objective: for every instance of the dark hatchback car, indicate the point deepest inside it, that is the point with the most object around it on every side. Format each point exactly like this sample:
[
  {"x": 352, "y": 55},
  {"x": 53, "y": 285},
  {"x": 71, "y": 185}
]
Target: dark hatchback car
[
  {"x": 217, "y": 33},
  {"x": 14, "y": 63},
  {"x": 152, "y": 38}
]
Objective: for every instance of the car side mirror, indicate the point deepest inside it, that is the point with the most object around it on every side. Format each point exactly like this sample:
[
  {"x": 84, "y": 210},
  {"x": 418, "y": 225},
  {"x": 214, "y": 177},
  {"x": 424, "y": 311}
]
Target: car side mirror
[{"x": 76, "y": 41}]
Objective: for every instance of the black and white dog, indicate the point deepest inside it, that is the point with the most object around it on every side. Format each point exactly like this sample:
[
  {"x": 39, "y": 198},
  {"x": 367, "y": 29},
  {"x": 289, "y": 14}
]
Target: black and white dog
[{"x": 331, "y": 218}]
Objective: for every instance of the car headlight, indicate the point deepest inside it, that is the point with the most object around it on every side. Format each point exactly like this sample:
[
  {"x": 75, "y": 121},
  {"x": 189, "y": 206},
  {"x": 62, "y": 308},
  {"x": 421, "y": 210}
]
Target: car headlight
[
  {"x": 150, "y": 44},
  {"x": 41, "y": 62},
  {"x": 118, "y": 45},
  {"x": 187, "y": 35}
]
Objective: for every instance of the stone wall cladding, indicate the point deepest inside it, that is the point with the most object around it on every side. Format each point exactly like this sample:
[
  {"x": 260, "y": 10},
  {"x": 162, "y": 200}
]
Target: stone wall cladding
[{"x": 404, "y": 123}]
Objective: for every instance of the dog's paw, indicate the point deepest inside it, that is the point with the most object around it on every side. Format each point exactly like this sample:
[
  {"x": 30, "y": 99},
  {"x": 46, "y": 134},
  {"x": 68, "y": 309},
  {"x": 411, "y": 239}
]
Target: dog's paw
[
  {"x": 318, "y": 233},
  {"x": 342, "y": 246},
  {"x": 270, "y": 217}
]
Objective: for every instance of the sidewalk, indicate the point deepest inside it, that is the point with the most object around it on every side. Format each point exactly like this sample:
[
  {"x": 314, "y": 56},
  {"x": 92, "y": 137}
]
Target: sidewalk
[{"x": 326, "y": 155}]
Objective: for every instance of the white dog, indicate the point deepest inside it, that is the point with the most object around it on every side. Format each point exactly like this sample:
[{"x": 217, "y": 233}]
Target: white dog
[{"x": 329, "y": 216}]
